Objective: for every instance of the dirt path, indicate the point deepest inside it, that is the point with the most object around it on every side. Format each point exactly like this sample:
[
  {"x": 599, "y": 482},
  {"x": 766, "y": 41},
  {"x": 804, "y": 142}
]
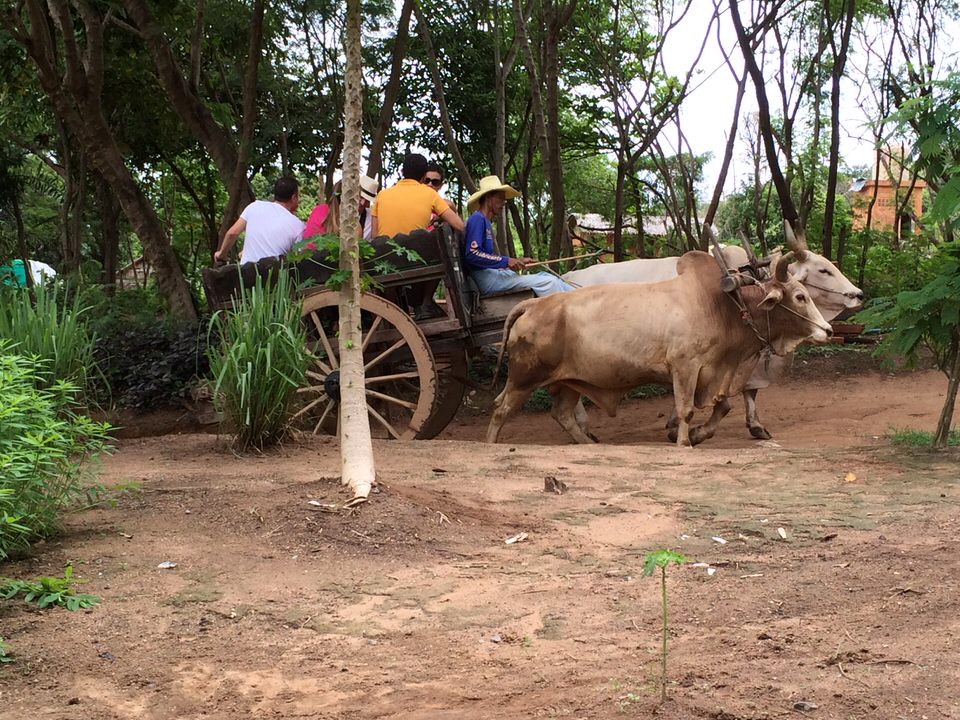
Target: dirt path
[{"x": 413, "y": 606}]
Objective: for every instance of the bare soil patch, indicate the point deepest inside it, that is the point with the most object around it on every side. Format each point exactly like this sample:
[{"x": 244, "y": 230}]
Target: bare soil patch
[{"x": 413, "y": 607}]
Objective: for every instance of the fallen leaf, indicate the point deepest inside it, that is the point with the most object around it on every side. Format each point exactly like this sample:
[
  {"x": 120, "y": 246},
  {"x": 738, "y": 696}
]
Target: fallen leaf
[
  {"x": 782, "y": 533},
  {"x": 719, "y": 540},
  {"x": 519, "y": 537},
  {"x": 849, "y": 477}
]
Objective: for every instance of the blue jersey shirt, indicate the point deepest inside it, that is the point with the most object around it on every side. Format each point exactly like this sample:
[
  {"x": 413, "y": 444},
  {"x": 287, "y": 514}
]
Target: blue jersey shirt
[{"x": 479, "y": 252}]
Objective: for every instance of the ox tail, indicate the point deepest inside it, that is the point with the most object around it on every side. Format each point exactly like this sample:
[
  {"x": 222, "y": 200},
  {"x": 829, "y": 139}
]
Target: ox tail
[{"x": 514, "y": 315}]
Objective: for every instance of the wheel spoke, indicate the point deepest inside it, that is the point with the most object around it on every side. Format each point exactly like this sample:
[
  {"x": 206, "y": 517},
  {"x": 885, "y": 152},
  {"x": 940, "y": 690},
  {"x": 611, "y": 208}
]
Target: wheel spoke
[
  {"x": 390, "y": 378},
  {"x": 391, "y": 399},
  {"x": 379, "y": 418},
  {"x": 369, "y": 334},
  {"x": 326, "y": 342},
  {"x": 309, "y": 406},
  {"x": 316, "y": 375},
  {"x": 324, "y": 415},
  {"x": 385, "y": 354},
  {"x": 321, "y": 365}
]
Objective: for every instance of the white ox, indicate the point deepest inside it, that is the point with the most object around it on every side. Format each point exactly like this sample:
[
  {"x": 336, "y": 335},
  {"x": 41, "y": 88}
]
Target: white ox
[
  {"x": 829, "y": 289},
  {"x": 601, "y": 341}
]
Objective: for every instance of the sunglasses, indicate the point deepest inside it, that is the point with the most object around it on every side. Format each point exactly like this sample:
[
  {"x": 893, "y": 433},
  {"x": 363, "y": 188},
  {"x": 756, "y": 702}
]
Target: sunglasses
[{"x": 435, "y": 182}]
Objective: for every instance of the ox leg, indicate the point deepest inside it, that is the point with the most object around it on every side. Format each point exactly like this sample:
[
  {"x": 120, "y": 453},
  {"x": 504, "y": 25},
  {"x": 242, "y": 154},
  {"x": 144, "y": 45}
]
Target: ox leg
[
  {"x": 505, "y": 406},
  {"x": 684, "y": 389},
  {"x": 569, "y": 412},
  {"x": 706, "y": 431},
  {"x": 754, "y": 425},
  {"x": 673, "y": 423},
  {"x": 580, "y": 414}
]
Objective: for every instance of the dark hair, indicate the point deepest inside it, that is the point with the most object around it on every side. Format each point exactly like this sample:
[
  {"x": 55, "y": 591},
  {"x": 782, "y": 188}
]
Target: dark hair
[
  {"x": 435, "y": 167},
  {"x": 414, "y": 166},
  {"x": 285, "y": 188}
]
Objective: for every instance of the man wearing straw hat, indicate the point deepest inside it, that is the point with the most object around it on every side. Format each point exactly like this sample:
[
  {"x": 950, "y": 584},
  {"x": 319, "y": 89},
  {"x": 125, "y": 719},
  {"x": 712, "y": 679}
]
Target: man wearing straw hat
[{"x": 497, "y": 273}]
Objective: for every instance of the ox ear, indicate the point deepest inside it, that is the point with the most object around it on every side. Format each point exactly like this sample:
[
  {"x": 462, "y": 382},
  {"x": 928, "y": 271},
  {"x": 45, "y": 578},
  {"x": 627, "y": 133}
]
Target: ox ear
[
  {"x": 772, "y": 298},
  {"x": 780, "y": 272}
]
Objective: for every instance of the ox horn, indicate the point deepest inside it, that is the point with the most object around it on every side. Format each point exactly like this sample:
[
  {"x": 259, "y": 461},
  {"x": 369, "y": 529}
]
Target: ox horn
[
  {"x": 781, "y": 271},
  {"x": 798, "y": 246}
]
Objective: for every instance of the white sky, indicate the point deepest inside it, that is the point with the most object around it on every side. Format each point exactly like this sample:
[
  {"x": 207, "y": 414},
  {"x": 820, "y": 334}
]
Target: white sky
[{"x": 708, "y": 111}]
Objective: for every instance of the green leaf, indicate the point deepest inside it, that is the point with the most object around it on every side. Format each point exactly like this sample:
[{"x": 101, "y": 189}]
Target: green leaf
[{"x": 661, "y": 559}]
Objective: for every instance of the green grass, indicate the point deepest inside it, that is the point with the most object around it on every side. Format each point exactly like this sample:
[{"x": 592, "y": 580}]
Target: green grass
[
  {"x": 260, "y": 361},
  {"x": 53, "y": 331},
  {"x": 905, "y": 437}
]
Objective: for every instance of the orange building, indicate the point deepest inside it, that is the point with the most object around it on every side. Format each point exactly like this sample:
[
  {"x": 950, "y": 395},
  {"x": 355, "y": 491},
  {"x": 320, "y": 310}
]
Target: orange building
[{"x": 891, "y": 195}]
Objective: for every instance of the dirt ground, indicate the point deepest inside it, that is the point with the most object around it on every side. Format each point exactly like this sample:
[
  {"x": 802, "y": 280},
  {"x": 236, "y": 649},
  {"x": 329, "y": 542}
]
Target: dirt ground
[{"x": 414, "y": 607}]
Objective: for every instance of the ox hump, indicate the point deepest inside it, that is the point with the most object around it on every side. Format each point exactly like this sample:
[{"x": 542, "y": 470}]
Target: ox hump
[{"x": 698, "y": 263}]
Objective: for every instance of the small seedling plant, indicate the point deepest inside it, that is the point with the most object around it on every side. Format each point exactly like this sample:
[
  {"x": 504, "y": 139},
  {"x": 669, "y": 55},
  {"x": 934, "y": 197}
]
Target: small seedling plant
[
  {"x": 661, "y": 559},
  {"x": 48, "y": 591}
]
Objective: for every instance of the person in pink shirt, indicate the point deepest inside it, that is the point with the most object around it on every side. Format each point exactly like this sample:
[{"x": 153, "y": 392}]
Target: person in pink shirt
[{"x": 325, "y": 218}]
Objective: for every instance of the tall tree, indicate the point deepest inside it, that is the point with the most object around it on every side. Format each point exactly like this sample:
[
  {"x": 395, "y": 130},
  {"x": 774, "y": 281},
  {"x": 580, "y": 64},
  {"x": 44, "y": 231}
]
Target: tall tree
[
  {"x": 839, "y": 52},
  {"x": 70, "y": 66},
  {"x": 545, "y": 94},
  {"x": 231, "y": 156},
  {"x": 356, "y": 448}
]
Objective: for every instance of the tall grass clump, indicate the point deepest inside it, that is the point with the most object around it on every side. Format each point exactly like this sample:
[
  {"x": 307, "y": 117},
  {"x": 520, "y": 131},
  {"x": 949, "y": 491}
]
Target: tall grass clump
[
  {"x": 53, "y": 330},
  {"x": 46, "y": 452},
  {"x": 259, "y": 362}
]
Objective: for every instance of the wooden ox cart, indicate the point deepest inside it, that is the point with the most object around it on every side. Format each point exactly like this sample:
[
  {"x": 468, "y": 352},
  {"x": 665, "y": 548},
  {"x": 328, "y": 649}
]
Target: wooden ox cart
[{"x": 415, "y": 369}]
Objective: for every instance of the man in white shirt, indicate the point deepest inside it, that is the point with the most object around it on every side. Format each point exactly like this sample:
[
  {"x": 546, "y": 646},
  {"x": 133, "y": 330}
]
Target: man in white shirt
[{"x": 271, "y": 227}]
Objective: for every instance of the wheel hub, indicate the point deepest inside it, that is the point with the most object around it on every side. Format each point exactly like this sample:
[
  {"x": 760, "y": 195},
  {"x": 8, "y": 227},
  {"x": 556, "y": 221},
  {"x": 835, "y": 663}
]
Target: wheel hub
[{"x": 331, "y": 386}]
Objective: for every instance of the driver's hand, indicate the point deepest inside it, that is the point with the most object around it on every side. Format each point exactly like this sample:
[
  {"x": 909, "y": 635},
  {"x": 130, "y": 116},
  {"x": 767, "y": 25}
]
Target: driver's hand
[{"x": 516, "y": 264}]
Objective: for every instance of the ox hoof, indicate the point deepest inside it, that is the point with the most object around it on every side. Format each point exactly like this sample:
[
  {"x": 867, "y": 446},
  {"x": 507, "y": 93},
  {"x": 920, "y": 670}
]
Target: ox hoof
[
  {"x": 672, "y": 434},
  {"x": 759, "y": 432},
  {"x": 698, "y": 435}
]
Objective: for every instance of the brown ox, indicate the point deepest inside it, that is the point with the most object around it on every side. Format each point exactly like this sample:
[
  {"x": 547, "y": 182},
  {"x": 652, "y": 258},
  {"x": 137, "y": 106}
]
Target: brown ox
[{"x": 601, "y": 341}]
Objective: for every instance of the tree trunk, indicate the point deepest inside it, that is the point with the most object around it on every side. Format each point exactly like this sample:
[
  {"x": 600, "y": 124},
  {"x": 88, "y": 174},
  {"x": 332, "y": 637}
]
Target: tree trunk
[
  {"x": 76, "y": 100},
  {"x": 239, "y": 193},
  {"x": 952, "y": 370},
  {"x": 546, "y": 112},
  {"x": 765, "y": 126},
  {"x": 385, "y": 121},
  {"x": 839, "y": 61},
  {"x": 186, "y": 101},
  {"x": 618, "y": 203},
  {"x": 727, "y": 153},
  {"x": 110, "y": 234},
  {"x": 22, "y": 244},
  {"x": 556, "y": 19},
  {"x": 356, "y": 448},
  {"x": 438, "y": 95}
]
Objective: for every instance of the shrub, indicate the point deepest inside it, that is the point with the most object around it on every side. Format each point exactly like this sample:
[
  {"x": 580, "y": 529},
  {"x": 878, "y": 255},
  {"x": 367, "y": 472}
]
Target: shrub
[
  {"x": 260, "y": 361},
  {"x": 53, "y": 331},
  {"x": 45, "y": 452},
  {"x": 148, "y": 364}
]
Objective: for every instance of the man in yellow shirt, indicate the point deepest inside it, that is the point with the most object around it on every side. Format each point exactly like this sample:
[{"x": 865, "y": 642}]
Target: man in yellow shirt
[{"x": 409, "y": 204}]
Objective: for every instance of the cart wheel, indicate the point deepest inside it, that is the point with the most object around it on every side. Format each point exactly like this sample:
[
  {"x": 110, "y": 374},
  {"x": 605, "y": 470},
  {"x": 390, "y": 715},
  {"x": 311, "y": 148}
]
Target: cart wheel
[
  {"x": 400, "y": 373},
  {"x": 451, "y": 371}
]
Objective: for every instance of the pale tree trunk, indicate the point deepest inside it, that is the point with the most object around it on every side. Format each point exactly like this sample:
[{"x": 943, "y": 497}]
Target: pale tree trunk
[{"x": 356, "y": 447}]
